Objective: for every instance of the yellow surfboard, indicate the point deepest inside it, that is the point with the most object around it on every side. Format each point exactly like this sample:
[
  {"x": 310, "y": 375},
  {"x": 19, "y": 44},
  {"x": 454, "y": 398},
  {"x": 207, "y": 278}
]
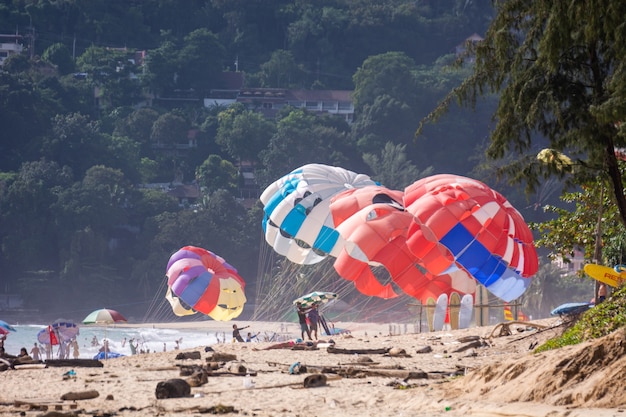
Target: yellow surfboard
[
  {"x": 455, "y": 307},
  {"x": 605, "y": 274}
]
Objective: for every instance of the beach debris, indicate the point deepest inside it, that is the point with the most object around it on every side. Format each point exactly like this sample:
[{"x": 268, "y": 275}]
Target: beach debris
[
  {"x": 221, "y": 357},
  {"x": 315, "y": 380},
  {"x": 471, "y": 353},
  {"x": 478, "y": 343},
  {"x": 71, "y": 374},
  {"x": 172, "y": 388},
  {"x": 80, "y": 395},
  {"x": 504, "y": 328},
  {"x": 237, "y": 368},
  {"x": 45, "y": 406},
  {"x": 390, "y": 373},
  {"x": 198, "y": 378},
  {"x": 59, "y": 414},
  {"x": 425, "y": 349},
  {"x": 401, "y": 384},
  {"x": 217, "y": 409},
  {"x": 189, "y": 355},
  {"x": 294, "y": 368},
  {"x": 74, "y": 363},
  {"x": 188, "y": 370},
  {"x": 248, "y": 382},
  {"x": 381, "y": 351},
  {"x": 398, "y": 353},
  {"x": 466, "y": 339}
]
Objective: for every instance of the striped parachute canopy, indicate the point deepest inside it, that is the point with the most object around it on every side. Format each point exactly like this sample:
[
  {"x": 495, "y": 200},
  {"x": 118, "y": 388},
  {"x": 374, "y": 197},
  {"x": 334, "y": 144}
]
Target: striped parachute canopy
[
  {"x": 297, "y": 221},
  {"x": 461, "y": 223},
  {"x": 373, "y": 224},
  {"x": 200, "y": 281}
]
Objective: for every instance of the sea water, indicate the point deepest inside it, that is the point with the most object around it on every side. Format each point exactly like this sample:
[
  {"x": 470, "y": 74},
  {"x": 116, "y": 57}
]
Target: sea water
[{"x": 147, "y": 339}]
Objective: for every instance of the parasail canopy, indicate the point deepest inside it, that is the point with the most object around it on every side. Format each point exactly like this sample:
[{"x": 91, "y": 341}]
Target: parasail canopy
[{"x": 200, "y": 281}]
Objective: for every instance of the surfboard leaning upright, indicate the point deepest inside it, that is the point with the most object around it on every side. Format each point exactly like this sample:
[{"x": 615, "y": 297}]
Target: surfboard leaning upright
[
  {"x": 439, "y": 317},
  {"x": 455, "y": 307},
  {"x": 465, "y": 312}
]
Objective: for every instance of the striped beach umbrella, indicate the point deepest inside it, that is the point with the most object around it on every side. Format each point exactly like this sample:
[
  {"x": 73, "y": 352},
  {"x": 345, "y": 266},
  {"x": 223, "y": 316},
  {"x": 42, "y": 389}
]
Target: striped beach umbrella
[
  {"x": 315, "y": 298},
  {"x": 104, "y": 316}
]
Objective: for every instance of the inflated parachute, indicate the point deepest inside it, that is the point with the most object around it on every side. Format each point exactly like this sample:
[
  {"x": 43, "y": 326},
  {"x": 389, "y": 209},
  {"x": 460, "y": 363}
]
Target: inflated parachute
[
  {"x": 461, "y": 223},
  {"x": 373, "y": 225},
  {"x": 297, "y": 222},
  {"x": 199, "y": 281}
]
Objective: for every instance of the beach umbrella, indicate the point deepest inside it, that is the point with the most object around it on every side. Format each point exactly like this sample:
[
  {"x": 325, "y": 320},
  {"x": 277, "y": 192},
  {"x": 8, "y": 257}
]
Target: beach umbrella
[
  {"x": 104, "y": 316},
  {"x": 48, "y": 336},
  {"x": 6, "y": 326},
  {"x": 67, "y": 330},
  {"x": 61, "y": 331},
  {"x": 315, "y": 298},
  {"x": 3, "y": 331}
]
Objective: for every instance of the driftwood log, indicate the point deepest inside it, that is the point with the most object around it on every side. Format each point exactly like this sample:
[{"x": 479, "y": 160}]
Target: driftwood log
[
  {"x": 221, "y": 357},
  {"x": 80, "y": 395},
  {"x": 380, "y": 351},
  {"x": 74, "y": 363},
  {"x": 389, "y": 373},
  {"x": 189, "y": 355}
]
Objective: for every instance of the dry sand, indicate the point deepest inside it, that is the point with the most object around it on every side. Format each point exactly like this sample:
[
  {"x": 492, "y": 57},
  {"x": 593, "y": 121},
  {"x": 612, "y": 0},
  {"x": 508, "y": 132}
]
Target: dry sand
[{"x": 501, "y": 378}]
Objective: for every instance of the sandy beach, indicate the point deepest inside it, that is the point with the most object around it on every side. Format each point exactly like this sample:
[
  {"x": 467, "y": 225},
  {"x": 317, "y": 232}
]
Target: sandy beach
[{"x": 481, "y": 371}]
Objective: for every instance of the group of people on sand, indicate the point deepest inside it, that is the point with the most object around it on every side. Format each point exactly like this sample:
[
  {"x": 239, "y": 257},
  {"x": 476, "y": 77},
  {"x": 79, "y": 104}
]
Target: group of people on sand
[
  {"x": 237, "y": 335},
  {"x": 66, "y": 347},
  {"x": 8, "y": 361},
  {"x": 309, "y": 319}
]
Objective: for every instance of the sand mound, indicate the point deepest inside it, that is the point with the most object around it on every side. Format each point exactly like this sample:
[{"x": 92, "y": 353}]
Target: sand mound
[{"x": 586, "y": 375}]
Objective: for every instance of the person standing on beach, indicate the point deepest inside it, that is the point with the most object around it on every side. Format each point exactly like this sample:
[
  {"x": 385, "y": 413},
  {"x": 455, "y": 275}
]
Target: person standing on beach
[
  {"x": 48, "y": 351},
  {"x": 35, "y": 352},
  {"x": 314, "y": 319},
  {"x": 304, "y": 327},
  {"x": 236, "y": 334},
  {"x": 75, "y": 351}
]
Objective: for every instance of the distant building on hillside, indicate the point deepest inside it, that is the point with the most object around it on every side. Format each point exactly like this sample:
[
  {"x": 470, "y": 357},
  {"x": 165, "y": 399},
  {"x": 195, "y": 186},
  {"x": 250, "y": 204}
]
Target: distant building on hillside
[
  {"x": 269, "y": 101},
  {"x": 9, "y": 45}
]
